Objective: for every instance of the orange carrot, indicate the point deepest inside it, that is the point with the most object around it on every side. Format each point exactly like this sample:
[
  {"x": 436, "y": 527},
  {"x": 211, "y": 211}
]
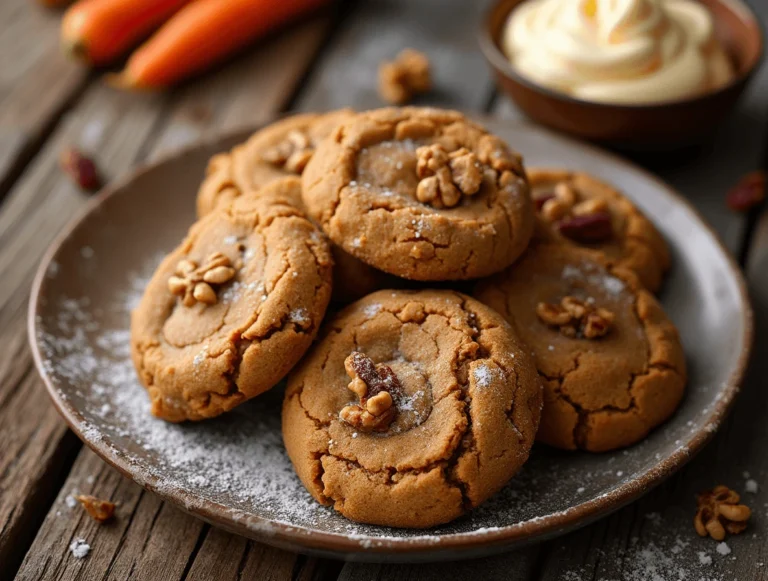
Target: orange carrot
[
  {"x": 202, "y": 34},
  {"x": 99, "y": 31}
]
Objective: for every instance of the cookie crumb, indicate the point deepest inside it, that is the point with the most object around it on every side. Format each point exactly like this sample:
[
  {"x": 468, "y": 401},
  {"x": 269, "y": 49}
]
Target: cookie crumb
[
  {"x": 408, "y": 75},
  {"x": 79, "y": 548},
  {"x": 704, "y": 558},
  {"x": 99, "y": 510}
]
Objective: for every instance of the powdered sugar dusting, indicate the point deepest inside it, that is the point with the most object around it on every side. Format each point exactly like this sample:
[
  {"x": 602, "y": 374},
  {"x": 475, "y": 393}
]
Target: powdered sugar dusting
[
  {"x": 79, "y": 548},
  {"x": 483, "y": 376},
  {"x": 239, "y": 461}
]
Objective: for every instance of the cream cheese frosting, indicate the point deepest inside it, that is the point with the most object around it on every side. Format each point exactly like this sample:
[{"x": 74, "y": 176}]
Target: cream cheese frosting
[{"x": 618, "y": 51}]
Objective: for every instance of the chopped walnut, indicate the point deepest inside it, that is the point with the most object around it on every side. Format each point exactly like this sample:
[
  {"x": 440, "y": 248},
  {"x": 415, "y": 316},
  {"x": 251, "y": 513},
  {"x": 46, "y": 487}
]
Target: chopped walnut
[
  {"x": 196, "y": 283},
  {"x": 495, "y": 153},
  {"x": 576, "y": 318},
  {"x": 99, "y": 510},
  {"x": 586, "y": 221},
  {"x": 375, "y": 386},
  {"x": 406, "y": 76},
  {"x": 292, "y": 154},
  {"x": 445, "y": 177},
  {"x": 719, "y": 512}
]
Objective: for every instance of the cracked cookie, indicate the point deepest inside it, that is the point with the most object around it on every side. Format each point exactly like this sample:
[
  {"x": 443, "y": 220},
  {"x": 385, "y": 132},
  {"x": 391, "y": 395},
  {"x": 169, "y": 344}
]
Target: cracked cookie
[
  {"x": 421, "y": 193},
  {"x": 282, "y": 149},
  {"x": 234, "y": 307},
  {"x": 278, "y": 150},
  {"x": 611, "y": 360},
  {"x": 578, "y": 208},
  {"x": 413, "y": 408}
]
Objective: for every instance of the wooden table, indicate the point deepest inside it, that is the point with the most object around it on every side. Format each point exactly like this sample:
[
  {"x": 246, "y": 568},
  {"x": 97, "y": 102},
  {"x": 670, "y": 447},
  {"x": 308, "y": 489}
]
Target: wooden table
[{"x": 326, "y": 62}]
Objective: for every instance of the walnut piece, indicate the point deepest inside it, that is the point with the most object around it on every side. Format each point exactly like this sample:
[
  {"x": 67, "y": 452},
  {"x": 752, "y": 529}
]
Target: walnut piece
[
  {"x": 495, "y": 153},
  {"x": 99, "y": 510},
  {"x": 582, "y": 220},
  {"x": 445, "y": 177},
  {"x": 719, "y": 512},
  {"x": 406, "y": 76},
  {"x": 576, "y": 318},
  {"x": 196, "y": 283},
  {"x": 376, "y": 386},
  {"x": 292, "y": 154}
]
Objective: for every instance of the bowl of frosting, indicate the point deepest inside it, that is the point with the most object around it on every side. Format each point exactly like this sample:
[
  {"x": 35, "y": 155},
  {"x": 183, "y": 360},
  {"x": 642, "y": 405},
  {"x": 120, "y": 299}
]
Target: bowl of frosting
[{"x": 633, "y": 73}]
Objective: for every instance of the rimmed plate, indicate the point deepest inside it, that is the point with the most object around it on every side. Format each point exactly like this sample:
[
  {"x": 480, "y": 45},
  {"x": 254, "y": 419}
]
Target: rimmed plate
[{"x": 233, "y": 472}]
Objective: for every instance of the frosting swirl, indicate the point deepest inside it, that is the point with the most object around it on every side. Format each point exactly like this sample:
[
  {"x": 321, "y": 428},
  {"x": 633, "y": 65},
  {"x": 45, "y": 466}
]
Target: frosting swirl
[{"x": 618, "y": 51}]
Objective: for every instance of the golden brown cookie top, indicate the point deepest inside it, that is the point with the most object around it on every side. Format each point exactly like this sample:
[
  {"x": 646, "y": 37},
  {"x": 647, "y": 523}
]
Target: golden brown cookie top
[
  {"x": 251, "y": 279},
  {"x": 595, "y": 333},
  {"x": 578, "y": 208},
  {"x": 280, "y": 149},
  {"x": 405, "y": 384},
  {"x": 421, "y": 193}
]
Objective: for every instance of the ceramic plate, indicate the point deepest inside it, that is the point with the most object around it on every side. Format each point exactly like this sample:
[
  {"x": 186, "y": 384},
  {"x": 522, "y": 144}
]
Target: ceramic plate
[{"x": 233, "y": 471}]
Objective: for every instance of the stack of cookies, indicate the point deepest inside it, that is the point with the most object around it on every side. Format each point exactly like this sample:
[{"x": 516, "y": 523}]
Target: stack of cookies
[{"x": 486, "y": 307}]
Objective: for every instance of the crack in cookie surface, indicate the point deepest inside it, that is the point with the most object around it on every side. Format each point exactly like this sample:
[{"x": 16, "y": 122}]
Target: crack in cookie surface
[
  {"x": 199, "y": 361},
  {"x": 460, "y": 445},
  {"x": 604, "y": 393},
  {"x": 361, "y": 187}
]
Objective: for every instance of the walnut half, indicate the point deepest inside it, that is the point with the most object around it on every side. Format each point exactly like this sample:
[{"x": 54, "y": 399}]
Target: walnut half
[
  {"x": 376, "y": 386},
  {"x": 196, "y": 284},
  {"x": 406, "y": 76},
  {"x": 719, "y": 512},
  {"x": 576, "y": 318},
  {"x": 446, "y": 177}
]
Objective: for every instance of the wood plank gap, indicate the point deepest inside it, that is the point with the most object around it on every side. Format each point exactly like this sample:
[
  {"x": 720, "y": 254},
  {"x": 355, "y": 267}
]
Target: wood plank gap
[
  {"x": 33, "y": 146},
  {"x": 195, "y": 550}
]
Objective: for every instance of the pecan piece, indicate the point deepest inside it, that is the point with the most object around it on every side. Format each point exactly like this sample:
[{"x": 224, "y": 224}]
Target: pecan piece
[
  {"x": 587, "y": 228},
  {"x": 376, "y": 386},
  {"x": 719, "y": 512},
  {"x": 81, "y": 169},
  {"x": 99, "y": 510},
  {"x": 445, "y": 177},
  {"x": 575, "y": 318},
  {"x": 406, "y": 76},
  {"x": 196, "y": 283},
  {"x": 748, "y": 193}
]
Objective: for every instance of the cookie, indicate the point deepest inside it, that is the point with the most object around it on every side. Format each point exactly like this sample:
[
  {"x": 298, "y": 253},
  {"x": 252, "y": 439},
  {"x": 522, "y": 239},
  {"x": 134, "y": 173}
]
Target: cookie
[
  {"x": 255, "y": 163},
  {"x": 231, "y": 310},
  {"x": 413, "y": 408},
  {"x": 578, "y": 208},
  {"x": 423, "y": 194},
  {"x": 611, "y": 360},
  {"x": 278, "y": 150}
]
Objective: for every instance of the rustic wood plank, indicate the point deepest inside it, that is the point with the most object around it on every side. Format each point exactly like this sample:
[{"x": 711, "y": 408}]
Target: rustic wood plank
[
  {"x": 122, "y": 129},
  {"x": 37, "y": 82},
  {"x": 517, "y": 566},
  {"x": 444, "y": 29}
]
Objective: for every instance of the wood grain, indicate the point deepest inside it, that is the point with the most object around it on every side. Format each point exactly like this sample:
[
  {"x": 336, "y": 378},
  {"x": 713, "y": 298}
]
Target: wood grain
[
  {"x": 37, "y": 83},
  {"x": 124, "y": 129},
  {"x": 445, "y": 30}
]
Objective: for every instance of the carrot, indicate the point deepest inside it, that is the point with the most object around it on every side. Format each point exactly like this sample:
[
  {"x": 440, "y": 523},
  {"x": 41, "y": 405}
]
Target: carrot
[
  {"x": 202, "y": 34},
  {"x": 99, "y": 31}
]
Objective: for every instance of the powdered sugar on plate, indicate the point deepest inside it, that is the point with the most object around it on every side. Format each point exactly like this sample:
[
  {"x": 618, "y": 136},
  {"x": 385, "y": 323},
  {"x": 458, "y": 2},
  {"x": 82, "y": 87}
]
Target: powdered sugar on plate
[{"x": 238, "y": 461}]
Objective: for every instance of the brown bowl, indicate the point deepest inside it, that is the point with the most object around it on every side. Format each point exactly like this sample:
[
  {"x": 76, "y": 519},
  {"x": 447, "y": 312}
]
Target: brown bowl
[{"x": 662, "y": 125}]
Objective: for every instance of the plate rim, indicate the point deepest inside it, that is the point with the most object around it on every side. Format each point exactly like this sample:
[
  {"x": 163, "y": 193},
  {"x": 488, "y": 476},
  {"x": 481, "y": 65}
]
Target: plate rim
[{"x": 425, "y": 547}]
